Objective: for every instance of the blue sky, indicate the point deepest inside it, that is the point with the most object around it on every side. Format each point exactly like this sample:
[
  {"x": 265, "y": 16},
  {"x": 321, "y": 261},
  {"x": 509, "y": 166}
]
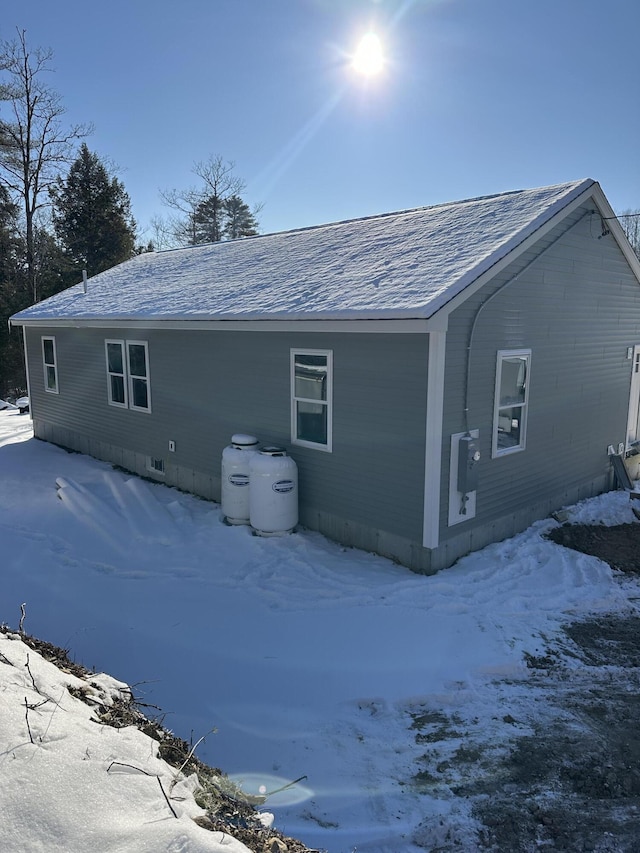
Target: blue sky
[{"x": 478, "y": 96}]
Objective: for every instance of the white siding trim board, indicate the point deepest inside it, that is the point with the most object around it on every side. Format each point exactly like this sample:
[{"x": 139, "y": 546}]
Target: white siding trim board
[
  {"x": 27, "y": 370},
  {"x": 433, "y": 439}
]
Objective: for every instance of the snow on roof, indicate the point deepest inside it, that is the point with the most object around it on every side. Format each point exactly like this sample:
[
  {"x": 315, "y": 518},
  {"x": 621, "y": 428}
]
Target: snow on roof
[{"x": 392, "y": 266}]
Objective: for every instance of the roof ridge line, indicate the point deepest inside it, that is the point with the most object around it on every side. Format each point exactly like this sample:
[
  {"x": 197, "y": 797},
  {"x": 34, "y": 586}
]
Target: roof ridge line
[{"x": 369, "y": 217}]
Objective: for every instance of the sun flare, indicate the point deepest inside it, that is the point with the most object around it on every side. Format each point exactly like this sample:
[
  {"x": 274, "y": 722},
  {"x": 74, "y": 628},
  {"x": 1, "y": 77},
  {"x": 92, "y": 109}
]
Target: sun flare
[{"x": 368, "y": 59}]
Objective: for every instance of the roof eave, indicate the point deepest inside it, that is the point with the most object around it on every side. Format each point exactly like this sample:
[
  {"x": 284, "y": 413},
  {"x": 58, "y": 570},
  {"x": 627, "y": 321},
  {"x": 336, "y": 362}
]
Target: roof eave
[{"x": 409, "y": 324}]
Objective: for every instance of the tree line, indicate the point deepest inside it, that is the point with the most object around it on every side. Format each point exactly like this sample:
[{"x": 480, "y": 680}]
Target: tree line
[{"x": 63, "y": 209}]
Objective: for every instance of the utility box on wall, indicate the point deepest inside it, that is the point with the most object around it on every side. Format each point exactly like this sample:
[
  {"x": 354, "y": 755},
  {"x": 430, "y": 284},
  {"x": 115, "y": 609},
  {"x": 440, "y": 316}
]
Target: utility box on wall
[
  {"x": 463, "y": 476},
  {"x": 468, "y": 458}
]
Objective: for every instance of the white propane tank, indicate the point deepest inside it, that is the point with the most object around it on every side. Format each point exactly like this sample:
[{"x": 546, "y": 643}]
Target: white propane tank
[
  {"x": 235, "y": 478},
  {"x": 273, "y": 497}
]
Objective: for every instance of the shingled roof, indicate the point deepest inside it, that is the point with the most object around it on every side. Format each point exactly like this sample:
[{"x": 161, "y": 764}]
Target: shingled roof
[{"x": 393, "y": 266}]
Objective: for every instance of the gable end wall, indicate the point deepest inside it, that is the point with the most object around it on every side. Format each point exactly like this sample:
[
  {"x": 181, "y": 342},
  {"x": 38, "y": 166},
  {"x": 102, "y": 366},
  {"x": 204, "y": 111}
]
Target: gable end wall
[{"x": 577, "y": 307}]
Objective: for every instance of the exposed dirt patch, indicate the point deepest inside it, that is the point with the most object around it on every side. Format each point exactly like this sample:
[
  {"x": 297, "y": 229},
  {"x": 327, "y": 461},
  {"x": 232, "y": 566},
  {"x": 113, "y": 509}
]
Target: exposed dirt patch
[
  {"x": 563, "y": 772},
  {"x": 604, "y": 641},
  {"x": 618, "y": 545},
  {"x": 575, "y": 784}
]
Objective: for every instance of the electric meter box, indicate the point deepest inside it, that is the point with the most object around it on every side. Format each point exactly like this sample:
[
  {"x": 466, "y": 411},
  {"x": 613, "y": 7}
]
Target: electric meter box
[{"x": 468, "y": 458}]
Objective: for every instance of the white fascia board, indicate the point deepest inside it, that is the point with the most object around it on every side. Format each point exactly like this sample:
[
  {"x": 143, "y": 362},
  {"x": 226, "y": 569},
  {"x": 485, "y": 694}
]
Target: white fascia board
[{"x": 408, "y": 326}]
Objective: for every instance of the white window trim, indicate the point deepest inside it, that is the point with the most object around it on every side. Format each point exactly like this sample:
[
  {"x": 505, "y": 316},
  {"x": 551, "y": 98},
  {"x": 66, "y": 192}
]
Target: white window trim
[
  {"x": 130, "y": 378},
  {"x": 45, "y": 365},
  {"x": 328, "y": 402},
  {"x": 113, "y": 402},
  {"x": 128, "y": 390},
  {"x": 507, "y": 451}
]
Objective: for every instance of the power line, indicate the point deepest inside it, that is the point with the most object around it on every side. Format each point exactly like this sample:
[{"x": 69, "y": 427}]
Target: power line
[{"x": 619, "y": 215}]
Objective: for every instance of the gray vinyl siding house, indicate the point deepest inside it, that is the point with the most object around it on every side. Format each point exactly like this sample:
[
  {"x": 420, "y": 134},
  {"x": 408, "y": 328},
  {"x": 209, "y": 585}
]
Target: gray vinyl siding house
[{"x": 442, "y": 377}]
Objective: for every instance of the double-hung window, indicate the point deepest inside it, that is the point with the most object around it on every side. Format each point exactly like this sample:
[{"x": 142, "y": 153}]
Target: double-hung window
[
  {"x": 117, "y": 381},
  {"x": 138, "y": 365},
  {"x": 513, "y": 372},
  {"x": 311, "y": 398},
  {"x": 128, "y": 375},
  {"x": 50, "y": 365}
]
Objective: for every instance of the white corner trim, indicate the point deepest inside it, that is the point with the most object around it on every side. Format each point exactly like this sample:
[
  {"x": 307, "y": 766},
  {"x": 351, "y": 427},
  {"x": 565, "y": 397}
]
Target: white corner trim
[
  {"x": 28, "y": 372},
  {"x": 433, "y": 439}
]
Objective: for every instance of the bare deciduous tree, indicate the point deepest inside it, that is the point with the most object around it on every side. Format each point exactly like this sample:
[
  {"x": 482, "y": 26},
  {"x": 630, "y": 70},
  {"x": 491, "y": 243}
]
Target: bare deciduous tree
[
  {"x": 202, "y": 215},
  {"x": 34, "y": 143},
  {"x": 630, "y": 221},
  {"x": 179, "y": 228}
]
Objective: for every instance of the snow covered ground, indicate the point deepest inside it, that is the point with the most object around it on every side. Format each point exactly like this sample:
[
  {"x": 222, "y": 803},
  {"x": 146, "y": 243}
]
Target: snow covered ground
[
  {"x": 70, "y": 784},
  {"x": 309, "y": 659}
]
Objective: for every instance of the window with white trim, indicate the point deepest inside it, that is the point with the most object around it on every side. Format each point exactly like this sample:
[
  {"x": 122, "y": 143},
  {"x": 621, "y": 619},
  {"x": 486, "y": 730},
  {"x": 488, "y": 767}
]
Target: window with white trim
[
  {"x": 513, "y": 371},
  {"x": 138, "y": 366},
  {"x": 128, "y": 375},
  {"x": 311, "y": 398},
  {"x": 50, "y": 365},
  {"x": 116, "y": 378}
]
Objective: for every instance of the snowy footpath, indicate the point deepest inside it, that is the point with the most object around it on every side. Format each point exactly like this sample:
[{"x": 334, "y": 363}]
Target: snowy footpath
[{"x": 309, "y": 660}]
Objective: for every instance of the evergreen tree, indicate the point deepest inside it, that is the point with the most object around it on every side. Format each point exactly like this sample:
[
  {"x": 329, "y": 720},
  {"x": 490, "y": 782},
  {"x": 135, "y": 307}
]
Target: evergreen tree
[
  {"x": 14, "y": 295},
  {"x": 208, "y": 220},
  {"x": 8, "y": 237},
  {"x": 55, "y": 270},
  {"x": 215, "y": 219},
  {"x": 92, "y": 215},
  {"x": 239, "y": 220},
  {"x": 52, "y": 274}
]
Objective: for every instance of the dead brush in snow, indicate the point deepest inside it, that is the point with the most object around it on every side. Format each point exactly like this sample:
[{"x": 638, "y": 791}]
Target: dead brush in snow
[
  {"x": 54, "y": 654},
  {"x": 228, "y": 808}
]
